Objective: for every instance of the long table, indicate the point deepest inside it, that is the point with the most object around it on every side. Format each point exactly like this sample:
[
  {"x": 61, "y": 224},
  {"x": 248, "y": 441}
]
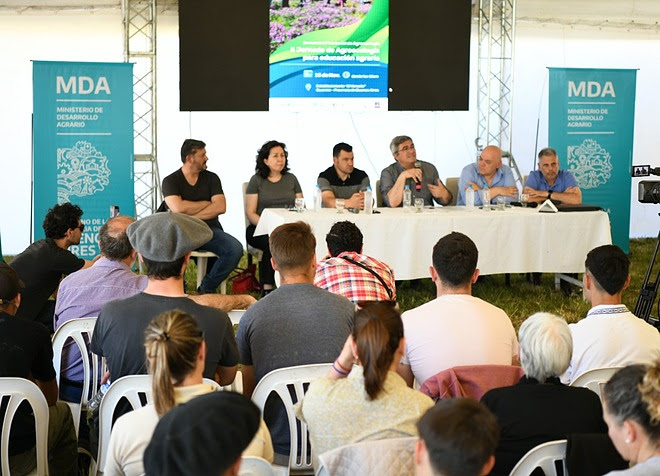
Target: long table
[{"x": 515, "y": 240}]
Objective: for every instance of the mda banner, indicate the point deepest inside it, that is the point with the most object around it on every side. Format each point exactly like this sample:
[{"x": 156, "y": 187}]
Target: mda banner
[
  {"x": 82, "y": 143},
  {"x": 591, "y": 124}
]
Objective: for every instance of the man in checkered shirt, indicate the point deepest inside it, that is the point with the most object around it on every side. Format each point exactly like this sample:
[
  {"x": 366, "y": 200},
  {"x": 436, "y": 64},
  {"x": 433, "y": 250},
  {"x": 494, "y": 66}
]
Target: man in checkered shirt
[{"x": 349, "y": 273}]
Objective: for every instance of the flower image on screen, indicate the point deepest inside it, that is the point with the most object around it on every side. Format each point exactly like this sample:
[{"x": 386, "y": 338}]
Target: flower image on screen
[{"x": 328, "y": 54}]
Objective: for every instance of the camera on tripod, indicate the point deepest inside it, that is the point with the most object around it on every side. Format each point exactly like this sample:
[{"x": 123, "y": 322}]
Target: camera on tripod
[{"x": 648, "y": 191}]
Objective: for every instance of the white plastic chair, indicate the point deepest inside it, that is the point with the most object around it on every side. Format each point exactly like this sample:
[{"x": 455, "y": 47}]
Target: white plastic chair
[
  {"x": 235, "y": 316},
  {"x": 281, "y": 381},
  {"x": 595, "y": 379},
  {"x": 129, "y": 387},
  {"x": 17, "y": 390},
  {"x": 542, "y": 456},
  {"x": 80, "y": 330},
  {"x": 255, "y": 466},
  {"x": 388, "y": 457},
  {"x": 235, "y": 386},
  {"x": 202, "y": 258}
]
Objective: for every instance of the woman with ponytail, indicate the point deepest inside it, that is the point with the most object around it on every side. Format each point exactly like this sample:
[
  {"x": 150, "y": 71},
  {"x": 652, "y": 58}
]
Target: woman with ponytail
[
  {"x": 175, "y": 351},
  {"x": 362, "y": 397},
  {"x": 631, "y": 408}
]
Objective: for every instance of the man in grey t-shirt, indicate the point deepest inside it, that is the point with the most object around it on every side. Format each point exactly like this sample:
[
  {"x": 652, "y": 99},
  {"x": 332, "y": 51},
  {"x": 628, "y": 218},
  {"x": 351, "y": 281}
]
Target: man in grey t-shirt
[{"x": 296, "y": 324}]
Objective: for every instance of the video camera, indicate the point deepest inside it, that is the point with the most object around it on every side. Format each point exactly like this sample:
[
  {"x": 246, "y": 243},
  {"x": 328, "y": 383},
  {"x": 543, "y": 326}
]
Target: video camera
[{"x": 648, "y": 191}]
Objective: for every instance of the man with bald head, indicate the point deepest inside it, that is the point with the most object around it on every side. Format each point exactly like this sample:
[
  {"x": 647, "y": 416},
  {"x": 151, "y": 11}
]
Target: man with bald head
[
  {"x": 550, "y": 182},
  {"x": 487, "y": 172}
]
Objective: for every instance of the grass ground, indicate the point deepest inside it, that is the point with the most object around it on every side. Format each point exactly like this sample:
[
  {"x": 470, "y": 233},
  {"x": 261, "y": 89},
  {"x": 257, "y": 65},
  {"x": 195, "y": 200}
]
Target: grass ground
[{"x": 521, "y": 299}]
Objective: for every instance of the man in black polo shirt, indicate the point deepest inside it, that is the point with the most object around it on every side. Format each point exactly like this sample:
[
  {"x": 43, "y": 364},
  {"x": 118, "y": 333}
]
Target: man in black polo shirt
[
  {"x": 26, "y": 352},
  {"x": 342, "y": 180}
]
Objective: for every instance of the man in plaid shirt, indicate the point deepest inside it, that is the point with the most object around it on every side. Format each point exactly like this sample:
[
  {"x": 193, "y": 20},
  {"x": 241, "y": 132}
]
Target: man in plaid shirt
[{"x": 349, "y": 273}]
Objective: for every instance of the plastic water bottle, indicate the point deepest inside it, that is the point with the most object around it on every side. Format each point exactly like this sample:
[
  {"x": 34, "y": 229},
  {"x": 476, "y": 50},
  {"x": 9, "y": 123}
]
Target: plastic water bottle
[
  {"x": 485, "y": 201},
  {"x": 95, "y": 402},
  {"x": 318, "y": 201},
  {"x": 368, "y": 201},
  {"x": 469, "y": 198},
  {"x": 407, "y": 197}
]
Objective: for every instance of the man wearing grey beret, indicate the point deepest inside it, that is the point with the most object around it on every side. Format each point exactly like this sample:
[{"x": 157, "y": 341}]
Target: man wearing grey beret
[{"x": 164, "y": 242}]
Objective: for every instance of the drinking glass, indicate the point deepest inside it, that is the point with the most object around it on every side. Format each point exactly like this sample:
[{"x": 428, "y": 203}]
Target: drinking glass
[
  {"x": 419, "y": 204},
  {"x": 524, "y": 198},
  {"x": 501, "y": 202},
  {"x": 339, "y": 205},
  {"x": 300, "y": 204}
]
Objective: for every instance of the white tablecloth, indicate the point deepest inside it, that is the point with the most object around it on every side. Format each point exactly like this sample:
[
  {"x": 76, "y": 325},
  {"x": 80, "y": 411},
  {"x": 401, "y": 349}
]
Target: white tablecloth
[{"x": 516, "y": 240}]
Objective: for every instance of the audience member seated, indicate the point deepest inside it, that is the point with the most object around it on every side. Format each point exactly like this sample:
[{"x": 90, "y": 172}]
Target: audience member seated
[
  {"x": 457, "y": 437},
  {"x": 342, "y": 180},
  {"x": 164, "y": 242},
  {"x": 455, "y": 328},
  {"x": 205, "y": 436},
  {"x": 272, "y": 186},
  {"x": 610, "y": 335},
  {"x": 540, "y": 408},
  {"x": 550, "y": 182},
  {"x": 176, "y": 352},
  {"x": 374, "y": 400},
  {"x": 487, "y": 173},
  {"x": 421, "y": 177},
  {"x": 631, "y": 408},
  {"x": 349, "y": 273},
  {"x": 197, "y": 192},
  {"x": 43, "y": 263},
  {"x": 26, "y": 352},
  {"x": 296, "y": 324},
  {"x": 83, "y": 294}
]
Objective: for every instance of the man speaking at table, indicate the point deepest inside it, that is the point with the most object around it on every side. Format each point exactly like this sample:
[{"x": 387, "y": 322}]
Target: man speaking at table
[
  {"x": 487, "y": 172},
  {"x": 342, "y": 180},
  {"x": 550, "y": 182},
  {"x": 422, "y": 177},
  {"x": 193, "y": 190}
]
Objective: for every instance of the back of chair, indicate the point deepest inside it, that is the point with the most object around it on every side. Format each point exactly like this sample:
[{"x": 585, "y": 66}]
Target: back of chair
[
  {"x": 290, "y": 384},
  {"x": 389, "y": 457},
  {"x": 452, "y": 185},
  {"x": 543, "y": 456},
  {"x": 595, "y": 379},
  {"x": 379, "y": 195},
  {"x": 80, "y": 331},
  {"x": 15, "y": 390},
  {"x": 133, "y": 388},
  {"x": 255, "y": 466}
]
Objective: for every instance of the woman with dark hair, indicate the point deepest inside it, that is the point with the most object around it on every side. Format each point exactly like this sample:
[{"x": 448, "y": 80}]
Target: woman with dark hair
[
  {"x": 175, "y": 351},
  {"x": 272, "y": 186},
  {"x": 368, "y": 400},
  {"x": 631, "y": 408}
]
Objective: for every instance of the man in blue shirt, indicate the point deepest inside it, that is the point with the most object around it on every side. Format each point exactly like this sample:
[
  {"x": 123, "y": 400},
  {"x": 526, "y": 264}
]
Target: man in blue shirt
[
  {"x": 550, "y": 182},
  {"x": 488, "y": 172}
]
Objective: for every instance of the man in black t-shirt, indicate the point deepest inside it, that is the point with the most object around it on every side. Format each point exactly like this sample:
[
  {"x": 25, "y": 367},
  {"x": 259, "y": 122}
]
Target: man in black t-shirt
[
  {"x": 342, "y": 180},
  {"x": 26, "y": 352},
  {"x": 193, "y": 190},
  {"x": 43, "y": 263}
]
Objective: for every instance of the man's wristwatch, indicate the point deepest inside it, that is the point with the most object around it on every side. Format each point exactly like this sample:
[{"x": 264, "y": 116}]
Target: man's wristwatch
[{"x": 549, "y": 194}]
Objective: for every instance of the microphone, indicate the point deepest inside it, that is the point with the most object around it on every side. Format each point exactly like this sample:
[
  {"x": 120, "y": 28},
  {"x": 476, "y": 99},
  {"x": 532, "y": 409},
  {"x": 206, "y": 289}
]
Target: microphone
[{"x": 418, "y": 184}]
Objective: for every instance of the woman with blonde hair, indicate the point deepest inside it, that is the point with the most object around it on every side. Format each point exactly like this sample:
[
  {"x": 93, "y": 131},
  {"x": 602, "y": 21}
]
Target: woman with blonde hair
[
  {"x": 631, "y": 408},
  {"x": 175, "y": 351},
  {"x": 362, "y": 397}
]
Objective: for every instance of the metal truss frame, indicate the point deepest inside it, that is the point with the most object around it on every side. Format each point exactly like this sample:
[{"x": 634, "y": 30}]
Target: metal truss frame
[
  {"x": 496, "y": 33},
  {"x": 139, "y": 20}
]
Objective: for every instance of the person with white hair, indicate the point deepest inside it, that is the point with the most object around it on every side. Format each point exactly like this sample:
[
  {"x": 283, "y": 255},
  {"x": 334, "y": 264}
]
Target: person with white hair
[{"x": 539, "y": 407}]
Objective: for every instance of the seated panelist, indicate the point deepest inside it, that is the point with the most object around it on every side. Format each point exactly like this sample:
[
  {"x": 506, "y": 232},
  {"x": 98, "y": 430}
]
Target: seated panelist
[
  {"x": 342, "y": 180},
  {"x": 550, "y": 182},
  {"x": 421, "y": 177},
  {"x": 487, "y": 172}
]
